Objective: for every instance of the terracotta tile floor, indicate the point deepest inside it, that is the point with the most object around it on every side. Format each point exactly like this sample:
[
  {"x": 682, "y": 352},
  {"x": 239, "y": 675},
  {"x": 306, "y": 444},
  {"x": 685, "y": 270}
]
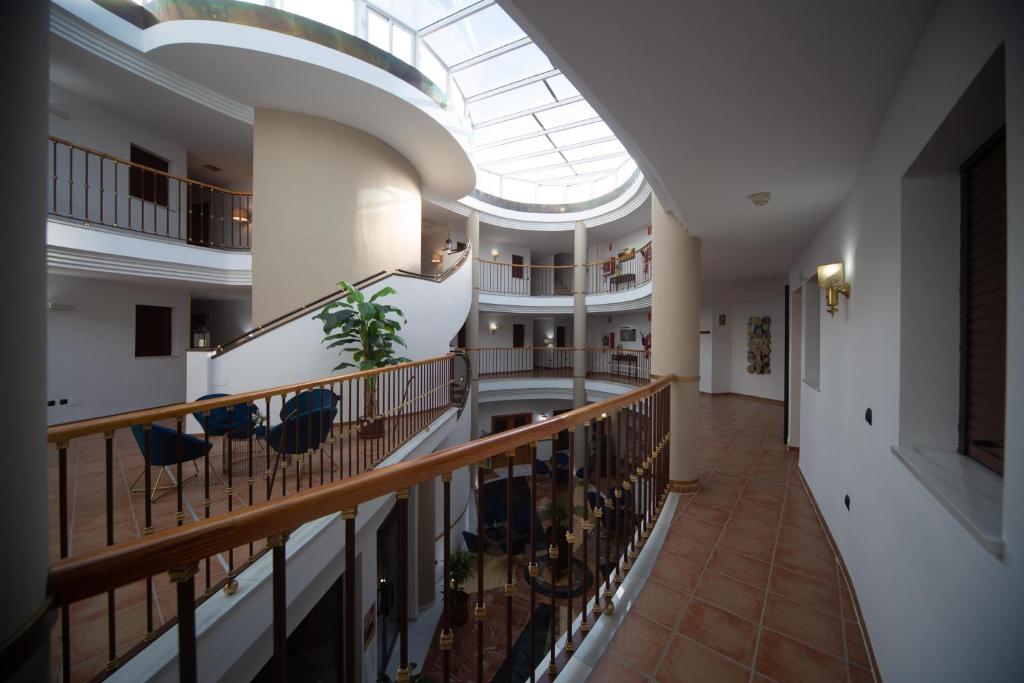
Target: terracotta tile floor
[
  {"x": 87, "y": 527},
  {"x": 746, "y": 586}
]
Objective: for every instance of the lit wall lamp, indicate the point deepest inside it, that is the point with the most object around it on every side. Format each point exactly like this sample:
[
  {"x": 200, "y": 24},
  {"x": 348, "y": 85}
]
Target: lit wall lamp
[
  {"x": 494, "y": 253},
  {"x": 494, "y": 327},
  {"x": 832, "y": 280},
  {"x": 239, "y": 215},
  {"x": 436, "y": 258}
]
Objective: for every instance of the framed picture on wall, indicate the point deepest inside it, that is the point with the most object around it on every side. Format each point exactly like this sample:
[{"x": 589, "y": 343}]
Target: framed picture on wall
[
  {"x": 628, "y": 334},
  {"x": 721, "y": 319}
]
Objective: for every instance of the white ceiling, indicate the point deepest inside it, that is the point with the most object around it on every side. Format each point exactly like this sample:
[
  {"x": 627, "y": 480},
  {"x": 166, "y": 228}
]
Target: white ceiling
[{"x": 718, "y": 99}]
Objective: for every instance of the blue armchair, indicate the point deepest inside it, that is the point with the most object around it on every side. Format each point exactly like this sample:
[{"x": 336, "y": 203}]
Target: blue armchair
[
  {"x": 164, "y": 452},
  {"x": 306, "y": 423},
  {"x": 219, "y": 424}
]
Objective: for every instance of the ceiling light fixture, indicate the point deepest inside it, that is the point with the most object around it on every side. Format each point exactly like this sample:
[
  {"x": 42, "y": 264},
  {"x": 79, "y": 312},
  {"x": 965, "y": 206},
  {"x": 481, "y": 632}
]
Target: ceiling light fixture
[{"x": 761, "y": 198}]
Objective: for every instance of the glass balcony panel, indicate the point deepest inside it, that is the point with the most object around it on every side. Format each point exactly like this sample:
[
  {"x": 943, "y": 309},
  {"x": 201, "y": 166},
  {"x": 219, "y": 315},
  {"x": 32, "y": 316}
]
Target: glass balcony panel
[
  {"x": 340, "y": 14},
  {"x": 518, "y": 190},
  {"x": 378, "y": 30},
  {"x": 432, "y": 68},
  {"x": 478, "y": 33},
  {"x": 401, "y": 43}
]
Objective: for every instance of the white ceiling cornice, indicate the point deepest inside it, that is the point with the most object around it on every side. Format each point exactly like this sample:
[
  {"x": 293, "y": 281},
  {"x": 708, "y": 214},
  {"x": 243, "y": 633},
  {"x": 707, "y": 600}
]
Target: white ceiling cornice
[
  {"x": 70, "y": 261},
  {"x": 72, "y": 29}
]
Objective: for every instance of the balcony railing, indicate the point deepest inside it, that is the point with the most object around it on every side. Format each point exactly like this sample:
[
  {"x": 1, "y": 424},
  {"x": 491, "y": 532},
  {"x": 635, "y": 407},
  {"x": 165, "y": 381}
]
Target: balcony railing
[
  {"x": 630, "y": 268},
  {"x": 118, "y": 479},
  {"x": 96, "y": 188},
  {"x": 588, "y": 546},
  {"x": 628, "y": 365}
]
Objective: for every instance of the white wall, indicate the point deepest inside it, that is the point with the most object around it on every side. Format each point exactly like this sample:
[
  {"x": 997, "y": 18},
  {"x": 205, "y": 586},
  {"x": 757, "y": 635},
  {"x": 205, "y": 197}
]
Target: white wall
[
  {"x": 599, "y": 250},
  {"x": 598, "y": 326},
  {"x": 937, "y": 604},
  {"x": 770, "y": 385},
  {"x": 91, "y": 348},
  {"x": 721, "y": 349}
]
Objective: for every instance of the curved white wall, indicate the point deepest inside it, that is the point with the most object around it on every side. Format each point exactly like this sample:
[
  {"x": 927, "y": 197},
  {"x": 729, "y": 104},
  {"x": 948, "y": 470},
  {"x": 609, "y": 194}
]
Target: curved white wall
[{"x": 333, "y": 203}]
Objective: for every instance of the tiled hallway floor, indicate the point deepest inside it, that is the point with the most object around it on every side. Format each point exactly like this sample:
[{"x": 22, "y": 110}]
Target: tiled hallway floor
[{"x": 746, "y": 586}]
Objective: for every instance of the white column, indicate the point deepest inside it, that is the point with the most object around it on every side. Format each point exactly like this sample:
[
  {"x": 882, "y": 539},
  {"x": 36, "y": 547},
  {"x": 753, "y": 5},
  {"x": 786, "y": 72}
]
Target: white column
[
  {"x": 473, "y": 322},
  {"x": 579, "y": 324},
  {"x": 675, "y": 327},
  {"x": 24, "y": 492}
]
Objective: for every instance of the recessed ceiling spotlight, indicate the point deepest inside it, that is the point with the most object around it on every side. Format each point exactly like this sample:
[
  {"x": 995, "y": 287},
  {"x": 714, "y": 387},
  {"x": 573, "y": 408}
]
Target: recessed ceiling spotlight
[{"x": 761, "y": 198}]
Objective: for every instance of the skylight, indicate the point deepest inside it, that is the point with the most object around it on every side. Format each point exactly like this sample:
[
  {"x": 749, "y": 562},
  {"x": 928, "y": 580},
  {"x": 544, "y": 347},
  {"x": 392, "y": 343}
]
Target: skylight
[{"x": 536, "y": 138}]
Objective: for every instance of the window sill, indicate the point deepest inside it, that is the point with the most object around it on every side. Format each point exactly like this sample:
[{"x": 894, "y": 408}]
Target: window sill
[{"x": 971, "y": 492}]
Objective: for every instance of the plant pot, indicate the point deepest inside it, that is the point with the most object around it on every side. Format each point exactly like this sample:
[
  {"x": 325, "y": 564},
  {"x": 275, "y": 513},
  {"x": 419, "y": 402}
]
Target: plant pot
[
  {"x": 374, "y": 429},
  {"x": 460, "y": 608}
]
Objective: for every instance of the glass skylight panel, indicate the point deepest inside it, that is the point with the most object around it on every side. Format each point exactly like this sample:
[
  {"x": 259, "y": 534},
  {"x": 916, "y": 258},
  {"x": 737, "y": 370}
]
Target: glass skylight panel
[
  {"x": 505, "y": 130},
  {"x": 562, "y": 87},
  {"x": 599, "y": 165},
  {"x": 378, "y": 30},
  {"x": 605, "y": 184},
  {"x": 550, "y": 194},
  {"x": 590, "y": 151},
  {"x": 478, "y": 33},
  {"x": 511, "y": 102},
  {"x": 518, "y": 190},
  {"x": 568, "y": 113},
  {"x": 572, "y": 136},
  {"x": 509, "y": 67},
  {"x": 513, "y": 149},
  {"x": 543, "y": 174},
  {"x": 579, "y": 193},
  {"x": 401, "y": 43},
  {"x": 432, "y": 68},
  {"x": 523, "y": 164}
]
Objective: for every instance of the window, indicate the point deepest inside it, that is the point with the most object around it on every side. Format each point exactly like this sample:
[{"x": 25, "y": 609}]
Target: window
[
  {"x": 983, "y": 303},
  {"x": 145, "y": 184},
  {"x": 518, "y": 336},
  {"x": 517, "y": 267},
  {"x": 152, "y": 331}
]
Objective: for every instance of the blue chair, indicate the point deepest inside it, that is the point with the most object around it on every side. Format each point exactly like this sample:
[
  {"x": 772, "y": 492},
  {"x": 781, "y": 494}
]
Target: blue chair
[
  {"x": 219, "y": 424},
  {"x": 521, "y": 518},
  {"x": 164, "y": 452},
  {"x": 474, "y": 543},
  {"x": 541, "y": 468},
  {"x": 301, "y": 431}
]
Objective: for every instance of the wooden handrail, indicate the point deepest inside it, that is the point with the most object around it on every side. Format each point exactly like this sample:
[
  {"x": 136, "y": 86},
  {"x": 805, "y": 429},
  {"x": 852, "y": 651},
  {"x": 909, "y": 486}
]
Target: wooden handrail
[
  {"x": 552, "y": 348},
  {"x": 61, "y": 434},
  {"x": 263, "y": 328},
  {"x": 104, "y": 569},
  {"x": 148, "y": 169}
]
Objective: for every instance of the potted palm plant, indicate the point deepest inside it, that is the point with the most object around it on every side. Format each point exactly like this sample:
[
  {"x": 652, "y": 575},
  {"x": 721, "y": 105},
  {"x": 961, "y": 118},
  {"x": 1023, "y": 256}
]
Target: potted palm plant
[
  {"x": 460, "y": 568},
  {"x": 368, "y": 330}
]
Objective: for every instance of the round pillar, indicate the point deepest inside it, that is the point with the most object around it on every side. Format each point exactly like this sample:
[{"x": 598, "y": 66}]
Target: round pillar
[
  {"x": 24, "y": 492},
  {"x": 473, "y": 322},
  {"x": 675, "y": 328},
  {"x": 579, "y": 324},
  {"x": 331, "y": 203}
]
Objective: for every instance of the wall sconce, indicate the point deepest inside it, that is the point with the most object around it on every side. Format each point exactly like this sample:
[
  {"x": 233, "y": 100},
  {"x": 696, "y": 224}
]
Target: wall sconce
[
  {"x": 239, "y": 215},
  {"x": 494, "y": 327},
  {"x": 832, "y": 280},
  {"x": 494, "y": 253},
  {"x": 449, "y": 244},
  {"x": 436, "y": 258}
]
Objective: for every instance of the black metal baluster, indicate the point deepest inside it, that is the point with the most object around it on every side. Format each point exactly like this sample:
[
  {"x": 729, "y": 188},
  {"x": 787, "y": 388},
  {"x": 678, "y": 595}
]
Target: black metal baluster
[
  {"x": 447, "y": 637},
  {"x": 65, "y": 625},
  {"x": 108, "y": 442},
  {"x": 280, "y": 626},
  {"x": 147, "y": 441},
  {"x": 179, "y": 515},
  {"x": 585, "y": 527},
  {"x": 598, "y": 449},
  {"x": 510, "y": 587},
  {"x": 404, "y": 673},
  {"x": 570, "y": 539},
  {"x": 231, "y": 585},
  {"x": 480, "y": 614},
  {"x": 532, "y": 567},
  {"x": 351, "y": 605},
  {"x": 206, "y": 492},
  {"x": 184, "y": 580}
]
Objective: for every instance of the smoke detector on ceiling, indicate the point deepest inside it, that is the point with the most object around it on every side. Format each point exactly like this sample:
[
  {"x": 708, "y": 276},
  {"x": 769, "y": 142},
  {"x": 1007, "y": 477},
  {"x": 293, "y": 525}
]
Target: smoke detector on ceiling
[{"x": 761, "y": 198}]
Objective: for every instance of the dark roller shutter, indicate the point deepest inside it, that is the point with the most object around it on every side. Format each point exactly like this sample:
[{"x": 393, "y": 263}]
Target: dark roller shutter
[{"x": 983, "y": 303}]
